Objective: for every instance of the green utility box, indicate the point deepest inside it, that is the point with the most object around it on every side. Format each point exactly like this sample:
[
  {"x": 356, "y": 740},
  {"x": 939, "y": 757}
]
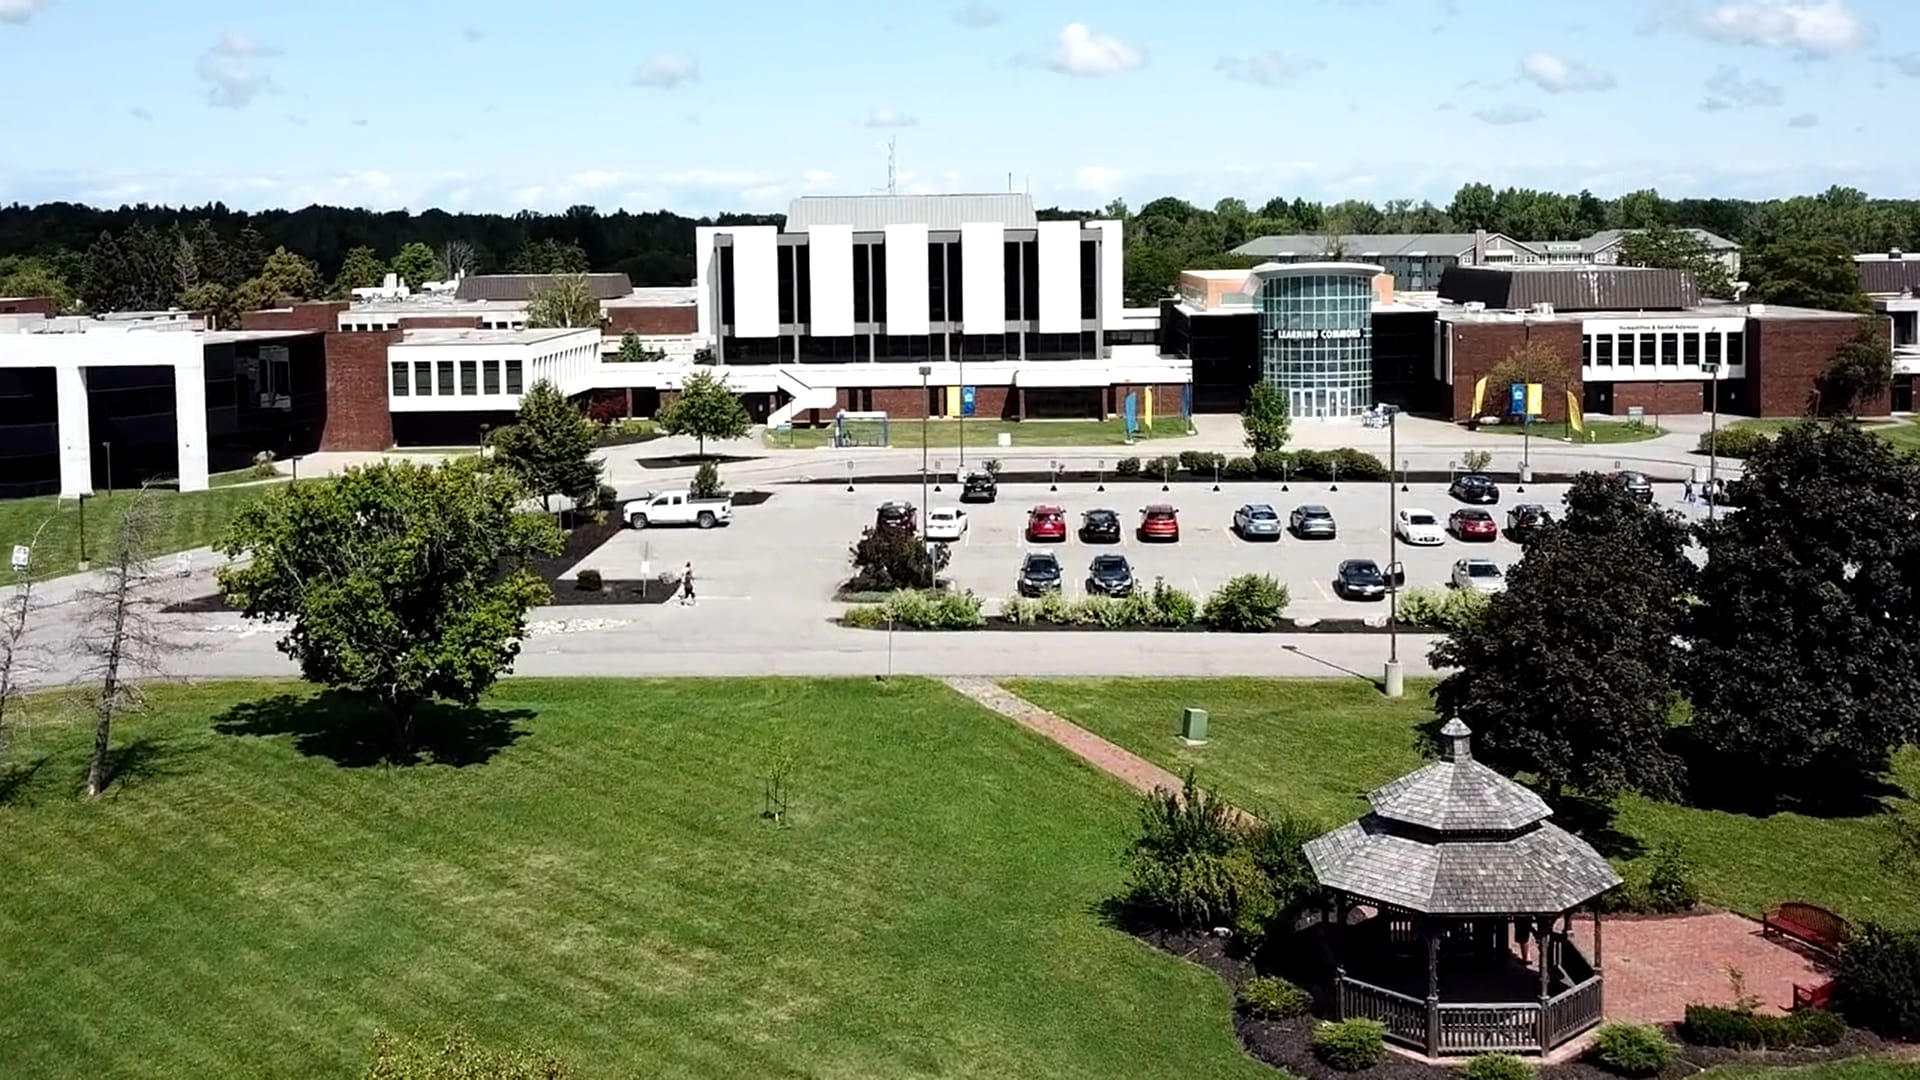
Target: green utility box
[{"x": 1193, "y": 726}]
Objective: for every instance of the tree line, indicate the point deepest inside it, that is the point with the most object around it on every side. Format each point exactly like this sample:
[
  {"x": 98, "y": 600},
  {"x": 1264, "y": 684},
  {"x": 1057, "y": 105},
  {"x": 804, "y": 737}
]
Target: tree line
[{"x": 146, "y": 257}]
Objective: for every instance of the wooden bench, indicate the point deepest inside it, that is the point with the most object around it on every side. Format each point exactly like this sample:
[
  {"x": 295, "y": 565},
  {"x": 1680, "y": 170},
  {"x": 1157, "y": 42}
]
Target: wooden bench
[
  {"x": 1817, "y": 996},
  {"x": 1808, "y": 924}
]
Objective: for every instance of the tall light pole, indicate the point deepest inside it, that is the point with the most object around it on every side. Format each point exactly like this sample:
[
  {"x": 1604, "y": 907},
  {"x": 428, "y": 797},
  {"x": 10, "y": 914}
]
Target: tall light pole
[
  {"x": 926, "y": 404},
  {"x": 1394, "y": 679},
  {"x": 961, "y": 420},
  {"x": 1713, "y": 436},
  {"x": 108, "y": 447}
]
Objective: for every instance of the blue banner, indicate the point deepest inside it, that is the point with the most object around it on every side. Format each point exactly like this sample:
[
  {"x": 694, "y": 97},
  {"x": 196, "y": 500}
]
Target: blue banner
[
  {"x": 966, "y": 401},
  {"x": 1133, "y": 413},
  {"x": 1518, "y": 394}
]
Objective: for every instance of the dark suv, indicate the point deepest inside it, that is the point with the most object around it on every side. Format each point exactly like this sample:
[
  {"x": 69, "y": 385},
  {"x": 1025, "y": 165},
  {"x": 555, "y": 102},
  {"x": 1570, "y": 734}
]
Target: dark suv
[
  {"x": 894, "y": 517},
  {"x": 1526, "y": 520},
  {"x": 979, "y": 487},
  {"x": 1109, "y": 575},
  {"x": 1100, "y": 527},
  {"x": 1039, "y": 573},
  {"x": 1635, "y": 484},
  {"x": 1474, "y": 487}
]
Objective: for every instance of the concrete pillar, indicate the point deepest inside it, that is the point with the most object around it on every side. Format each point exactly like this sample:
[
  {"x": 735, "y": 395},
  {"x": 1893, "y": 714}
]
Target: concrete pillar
[
  {"x": 76, "y": 434},
  {"x": 190, "y": 420}
]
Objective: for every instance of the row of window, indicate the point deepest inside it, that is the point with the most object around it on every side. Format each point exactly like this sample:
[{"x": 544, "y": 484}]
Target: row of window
[
  {"x": 908, "y": 348},
  {"x": 363, "y": 326},
  {"x": 1671, "y": 349},
  {"x": 455, "y": 378}
]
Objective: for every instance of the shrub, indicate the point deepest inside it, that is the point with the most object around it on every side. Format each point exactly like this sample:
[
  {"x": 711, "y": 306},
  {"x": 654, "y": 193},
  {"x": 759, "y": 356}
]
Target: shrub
[
  {"x": 1350, "y": 1045},
  {"x": 588, "y": 581},
  {"x": 1733, "y": 442},
  {"x": 889, "y": 559},
  {"x": 605, "y": 498},
  {"x": 1877, "y": 980},
  {"x": 1496, "y": 1067},
  {"x": 1273, "y": 464},
  {"x": 1713, "y": 1025},
  {"x": 1631, "y": 1049},
  {"x": 1423, "y": 606},
  {"x": 1127, "y": 466},
  {"x": 706, "y": 481},
  {"x": 1670, "y": 885},
  {"x": 1248, "y": 604},
  {"x": 1477, "y": 460},
  {"x": 1171, "y": 606},
  {"x": 1312, "y": 465},
  {"x": 1165, "y": 466},
  {"x": 1277, "y": 845},
  {"x": 1239, "y": 468},
  {"x": 992, "y": 466},
  {"x": 1358, "y": 464},
  {"x": 632, "y": 426},
  {"x": 1202, "y": 461},
  {"x": 1197, "y": 889},
  {"x": 865, "y": 617},
  {"x": 1270, "y": 998},
  {"x": 263, "y": 466},
  {"x": 1020, "y": 611},
  {"x": 1816, "y": 1027},
  {"x": 1462, "y": 607},
  {"x": 919, "y": 609}
]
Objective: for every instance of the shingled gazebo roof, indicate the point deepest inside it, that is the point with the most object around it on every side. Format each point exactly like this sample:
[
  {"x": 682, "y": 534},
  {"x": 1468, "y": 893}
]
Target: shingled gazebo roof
[{"x": 1457, "y": 838}]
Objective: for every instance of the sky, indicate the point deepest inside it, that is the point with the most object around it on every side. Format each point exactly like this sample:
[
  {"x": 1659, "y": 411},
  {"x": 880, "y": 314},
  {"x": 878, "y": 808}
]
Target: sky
[{"x": 499, "y": 105}]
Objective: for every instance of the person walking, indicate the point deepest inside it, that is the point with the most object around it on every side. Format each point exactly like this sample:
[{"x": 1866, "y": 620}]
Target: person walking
[
  {"x": 1688, "y": 494},
  {"x": 686, "y": 585}
]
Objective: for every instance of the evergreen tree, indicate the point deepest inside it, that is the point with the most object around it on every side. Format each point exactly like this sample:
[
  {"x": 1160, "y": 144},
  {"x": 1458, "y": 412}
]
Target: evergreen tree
[{"x": 551, "y": 445}]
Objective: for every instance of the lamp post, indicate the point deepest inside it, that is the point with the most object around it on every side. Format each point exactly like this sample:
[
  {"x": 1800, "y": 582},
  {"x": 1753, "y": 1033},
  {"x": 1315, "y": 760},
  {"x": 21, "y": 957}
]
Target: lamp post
[
  {"x": 83, "y": 531},
  {"x": 926, "y": 370},
  {"x": 960, "y": 422},
  {"x": 1394, "y": 679},
  {"x": 108, "y": 447},
  {"x": 1712, "y": 369}
]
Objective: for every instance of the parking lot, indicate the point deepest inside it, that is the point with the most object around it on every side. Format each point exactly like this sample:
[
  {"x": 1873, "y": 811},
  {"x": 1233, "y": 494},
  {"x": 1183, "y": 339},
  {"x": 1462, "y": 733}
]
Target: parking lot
[{"x": 791, "y": 551}]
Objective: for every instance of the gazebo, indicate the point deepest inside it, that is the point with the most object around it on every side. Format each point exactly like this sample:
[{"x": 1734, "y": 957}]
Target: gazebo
[{"x": 1452, "y": 908}]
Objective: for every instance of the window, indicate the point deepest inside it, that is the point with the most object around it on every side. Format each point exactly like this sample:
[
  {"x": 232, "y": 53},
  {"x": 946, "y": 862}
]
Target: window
[
  {"x": 469, "y": 378},
  {"x": 1603, "y": 349},
  {"x": 1586, "y": 350},
  {"x": 1736, "y": 348},
  {"x": 446, "y": 379},
  {"x": 1669, "y": 349},
  {"x": 1089, "y": 279},
  {"x": 1649, "y": 346},
  {"x": 491, "y": 373},
  {"x": 513, "y": 376},
  {"x": 1690, "y": 350},
  {"x": 1713, "y": 348},
  {"x": 399, "y": 380},
  {"x": 1626, "y": 348}
]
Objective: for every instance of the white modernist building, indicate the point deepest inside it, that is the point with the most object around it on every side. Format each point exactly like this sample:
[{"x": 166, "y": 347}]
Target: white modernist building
[{"x": 486, "y": 370}]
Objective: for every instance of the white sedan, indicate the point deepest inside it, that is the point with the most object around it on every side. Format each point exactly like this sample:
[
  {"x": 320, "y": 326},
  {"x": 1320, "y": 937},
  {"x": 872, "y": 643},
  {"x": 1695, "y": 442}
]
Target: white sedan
[
  {"x": 1419, "y": 528},
  {"x": 1481, "y": 575},
  {"x": 946, "y": 524}
]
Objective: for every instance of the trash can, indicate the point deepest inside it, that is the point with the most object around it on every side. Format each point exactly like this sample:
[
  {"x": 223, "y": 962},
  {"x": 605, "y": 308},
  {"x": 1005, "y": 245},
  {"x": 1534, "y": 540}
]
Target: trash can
[{"x": 1004, "y": 439}]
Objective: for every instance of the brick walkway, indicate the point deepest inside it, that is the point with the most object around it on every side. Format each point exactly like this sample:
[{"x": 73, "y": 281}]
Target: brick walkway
[{"x": 1655, "y": 967}]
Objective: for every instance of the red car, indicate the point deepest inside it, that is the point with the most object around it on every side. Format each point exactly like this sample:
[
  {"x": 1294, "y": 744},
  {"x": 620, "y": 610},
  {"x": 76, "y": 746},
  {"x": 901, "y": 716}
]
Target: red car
[
  {"x": 1473, "y": 525},
  {"x": 1046, "y": 523},
  {"x": 1159, "y": 522}
]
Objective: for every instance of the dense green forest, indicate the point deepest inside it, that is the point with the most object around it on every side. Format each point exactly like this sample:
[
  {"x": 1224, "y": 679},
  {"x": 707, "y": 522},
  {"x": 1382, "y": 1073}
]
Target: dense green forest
[{"x": 217, "y": 258}]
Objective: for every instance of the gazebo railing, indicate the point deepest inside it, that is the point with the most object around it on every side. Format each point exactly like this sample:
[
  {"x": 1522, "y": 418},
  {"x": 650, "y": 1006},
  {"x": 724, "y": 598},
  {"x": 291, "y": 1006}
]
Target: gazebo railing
[
  {"x": 1527, "y": 1027},
  {"x": 1508, "y": 1027},
  {"x": 1573, "y": 1011},
  {"x": 1404, "y": 1017}
]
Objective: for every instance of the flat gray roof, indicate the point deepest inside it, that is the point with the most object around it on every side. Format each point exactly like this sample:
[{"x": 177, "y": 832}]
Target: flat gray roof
[
  {"x": 491, "y": 337},
  {"x": 872, "y": 212}
]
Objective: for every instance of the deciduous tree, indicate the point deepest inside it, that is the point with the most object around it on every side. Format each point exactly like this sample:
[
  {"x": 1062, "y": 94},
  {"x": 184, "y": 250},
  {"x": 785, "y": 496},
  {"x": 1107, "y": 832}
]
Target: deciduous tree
[
  {"x": 1529, "y": 362},
  {"x": 118, "y": 636},
  {"x": 402, "y": 583},
  {"x": 1571, "y": 673},
  {"x": 550, "y": 256},
  {"x": 1807, "y": 273},
  {"x": 32, "y": 277},
  {"x": 1265, "y": 420},
  {"x": 1677, "y": 249},
  {"x": 216, "y": 300},
  {"x": 565, "y": 301},
  {"x": 1804, "y": 670},
  {"x": 415, "y": 264},
  {"x": 1859, "y": 373},
  {"x": 550, "y": 445},
  {"x": 362, "y": 269},
  {"x": 706, "y": 409}
]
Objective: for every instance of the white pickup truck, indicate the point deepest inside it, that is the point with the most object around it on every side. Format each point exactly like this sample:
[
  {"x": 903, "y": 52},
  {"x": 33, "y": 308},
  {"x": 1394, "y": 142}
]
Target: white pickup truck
[{"x": 677, "y": 508}]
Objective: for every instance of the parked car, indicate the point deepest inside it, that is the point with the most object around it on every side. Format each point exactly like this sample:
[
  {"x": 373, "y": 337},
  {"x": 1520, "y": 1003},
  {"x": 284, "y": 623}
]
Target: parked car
[
  {"x": 1256, "y": 521},
  {"x": 1312, "y": 522},
  {"x": 1635, "y": 484},
  {"x": 676, "y": 508},
  {"x": 1474, "y": 487},
  {"x": 1039, "y": 573},
  {"x": 1481, "y": 574},
  {"x": 1046, "y": 523},
  {"x": 1109, "y": 575},
  {"x": 947, "y": 524},
  {"x": 1100, "y": 527},
  {"x": 895, "y": 516},
  {"x": 1159, "y": 522},
  {"x": 1525, "y": 520},
  {"x": 979, "y": 487},
  {"x": 1419, "y": 528},
  {"x": 1472, "y": 525},
  {"x": 1359, "y": 579}
]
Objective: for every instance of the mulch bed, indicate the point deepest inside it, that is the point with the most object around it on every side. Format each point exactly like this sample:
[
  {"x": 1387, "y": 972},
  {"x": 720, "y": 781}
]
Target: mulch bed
[
  {"x": 1183, "y": 479},
  {"x": 678, "y": 461},
  {"x": 1322, "y": 626},
  {"x": 1286, "y": 1044}
]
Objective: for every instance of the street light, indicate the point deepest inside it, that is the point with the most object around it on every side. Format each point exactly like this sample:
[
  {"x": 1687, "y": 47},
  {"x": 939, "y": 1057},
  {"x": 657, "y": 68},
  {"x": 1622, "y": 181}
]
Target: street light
[
  {"x": 83, "y": 531},
  {"x": 1712, "y": 368},
  {"x": 108, "y": 447},
  {"x": 1395, "y": 686},
  {"x": 926, "y": 370}
]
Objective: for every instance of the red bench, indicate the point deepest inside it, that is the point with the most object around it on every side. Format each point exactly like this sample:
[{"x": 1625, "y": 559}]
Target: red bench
[
  {"x": 1818, "y": 996},
  {"x": 1808, "y": 924}
]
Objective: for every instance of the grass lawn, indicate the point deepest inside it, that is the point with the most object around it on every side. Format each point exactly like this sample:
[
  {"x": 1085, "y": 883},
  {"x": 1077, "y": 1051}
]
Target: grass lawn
[
  {"x": 1598, "y": 431},
  {"x": 187, "y": 520},
  {"x": 1317, "y": 746},
  {"x": 1904, "y": 434},
  {"x": 245, "y": 905},
  {"x": 984, "y": 435},
  {"x": 1858, "y": 1068}
]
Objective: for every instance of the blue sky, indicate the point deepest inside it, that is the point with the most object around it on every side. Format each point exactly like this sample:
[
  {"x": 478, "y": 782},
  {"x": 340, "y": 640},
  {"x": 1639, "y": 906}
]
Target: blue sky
[{"x": 699, "y": 107}]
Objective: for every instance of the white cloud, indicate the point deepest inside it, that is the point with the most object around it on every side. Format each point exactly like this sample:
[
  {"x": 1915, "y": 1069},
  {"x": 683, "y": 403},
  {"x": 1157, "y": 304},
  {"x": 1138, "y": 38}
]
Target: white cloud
[
  {"x": 1098, "y": 179},
  {"x": 1811, "y": 27},
  {"x": 1559, "y": 76},
  {"x": 1080, "y": 51},
  {"x": 1267, "y": 68},
  {"x": 1727, "y": 85},
  {"x": 1504, "y": 115},
  {"x": 1804, "y": 120},
  {"x": 975, "y": 15},
  {"x": 890, "y": 118},
  {"x": 666, "y": 71},
  {"x": 232, "y": 71},
  {"x": 19, "y": 11}
]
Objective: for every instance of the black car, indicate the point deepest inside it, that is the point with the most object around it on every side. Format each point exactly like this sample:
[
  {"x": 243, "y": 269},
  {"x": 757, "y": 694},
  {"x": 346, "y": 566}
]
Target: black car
[
  {"x": 1474, "y": 487},
  {"x": 1360, "y": 579},
  {"x": 1635, "y": 484},
  {"x": 1109, "y": 575},
  {"x": 979, "y": 487},
  {"x": 1039, "y": 573},
  {"x": 1525, "y": 520},
  {"x": 1100, "y": 527},
  {"x": 894, "y": 517}
]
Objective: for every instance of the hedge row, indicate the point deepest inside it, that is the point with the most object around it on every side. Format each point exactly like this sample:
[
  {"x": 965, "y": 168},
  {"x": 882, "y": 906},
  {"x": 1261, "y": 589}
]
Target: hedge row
[
  {"x": 1344, "y": 463},
  {"x": 1250, "y": 603}
]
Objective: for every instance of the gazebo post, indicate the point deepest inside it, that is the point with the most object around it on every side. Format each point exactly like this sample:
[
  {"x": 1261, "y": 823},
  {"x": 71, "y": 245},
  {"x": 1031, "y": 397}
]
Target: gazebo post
[
  {"x": 1545, "y": 927},
  {"x": 1599, "y": 975},
  {"x": 1433, "y": 986}
]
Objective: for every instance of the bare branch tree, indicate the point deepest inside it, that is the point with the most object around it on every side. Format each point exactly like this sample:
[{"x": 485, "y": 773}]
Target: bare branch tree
[
  {"x": 119, "y": 636},
  {"x": 15, "y": 663},
  {"x": 455, "y": 258}
]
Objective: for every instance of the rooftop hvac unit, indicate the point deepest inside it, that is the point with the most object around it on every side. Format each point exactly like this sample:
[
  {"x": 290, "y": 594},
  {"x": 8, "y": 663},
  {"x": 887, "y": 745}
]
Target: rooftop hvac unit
[
  {"x": 1543, "y": 308},
  {"x": 1756, "y": 309},
  {"x": 1474, "y": 305}
]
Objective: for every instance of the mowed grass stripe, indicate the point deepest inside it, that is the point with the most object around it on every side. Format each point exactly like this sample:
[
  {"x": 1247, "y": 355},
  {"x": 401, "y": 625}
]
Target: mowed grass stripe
[{"x": 603, "y": 884}]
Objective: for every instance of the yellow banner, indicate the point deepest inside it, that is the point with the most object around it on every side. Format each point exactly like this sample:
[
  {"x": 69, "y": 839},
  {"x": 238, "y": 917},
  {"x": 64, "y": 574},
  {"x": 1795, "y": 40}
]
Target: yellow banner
[
  {"x": 1536, "y": 394},
  {"x": 953, "y": 401},
  {"x": 1479, "y": 397},
  {"x": 1146, "y": 407},
  {"x": 1576, "y": 418}
]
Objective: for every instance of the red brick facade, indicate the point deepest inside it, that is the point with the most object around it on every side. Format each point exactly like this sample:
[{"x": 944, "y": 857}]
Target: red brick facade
[
  {"x": 1659, "y": 398},
  {"x": 1786, "y": 356},
  {"x": 357, "y": 413},
  {"x": 313, "y": 315},
  {"x": 42, "y": 306},
  {"x": 1479, "y": 346},
  {"x": 440, "y": 322},
  {"x": 680, "y": 320}
]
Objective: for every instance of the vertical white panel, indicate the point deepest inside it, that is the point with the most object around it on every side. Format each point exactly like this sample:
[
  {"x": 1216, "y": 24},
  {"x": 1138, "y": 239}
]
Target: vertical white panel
[
  {"x": 830, "y": 257},
  {"x": 190, "y": 418},
  {"x": 76, "y": 440},
  {"x": 983, "y": 277},
  {"x": 756, "y": 282},
  {"x": 1113, "y": 297},
  {"x": 1059, "y": 277},
  {"x": 907, "y": 279},
  {"x": 705, "y": 270}
]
